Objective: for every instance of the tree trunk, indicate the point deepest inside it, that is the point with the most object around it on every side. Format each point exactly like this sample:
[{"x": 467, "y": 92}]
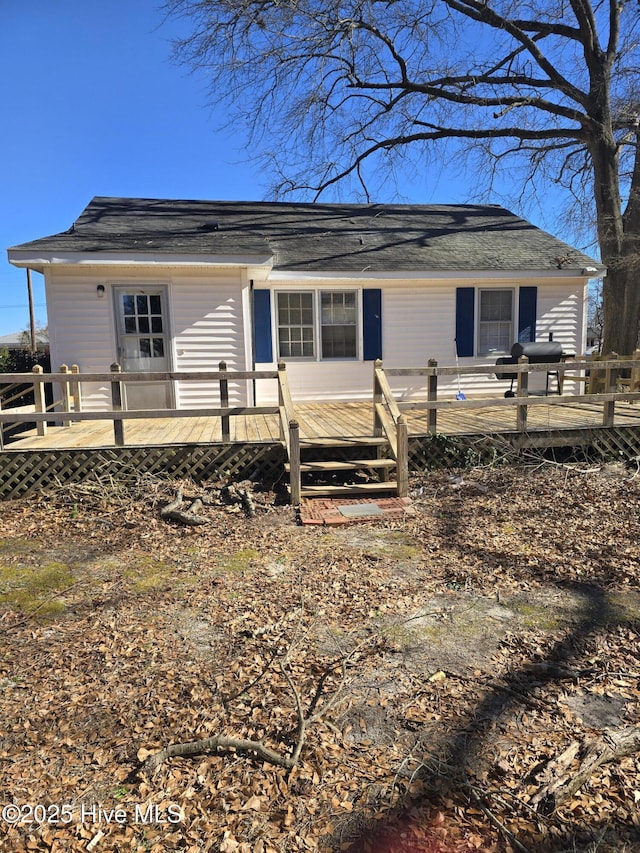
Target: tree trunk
[
  {"x": 618, "y": 237},
  {"x": 621, "y": 304}
]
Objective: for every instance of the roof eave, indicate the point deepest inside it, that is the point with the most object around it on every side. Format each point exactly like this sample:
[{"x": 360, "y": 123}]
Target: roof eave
[
  {"x": 42, "y": 260},
  {"x": 583, "y": 273}
]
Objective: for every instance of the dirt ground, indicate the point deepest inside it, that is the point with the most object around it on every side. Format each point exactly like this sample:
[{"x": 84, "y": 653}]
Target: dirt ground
[{"x": 441, "y": 661}]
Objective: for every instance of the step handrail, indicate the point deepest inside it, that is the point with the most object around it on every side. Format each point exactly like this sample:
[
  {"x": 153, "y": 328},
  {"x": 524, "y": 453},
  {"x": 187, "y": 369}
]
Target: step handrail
[
  {"x": 289, "y": 432},
  {"x": 389, "y": 421}
]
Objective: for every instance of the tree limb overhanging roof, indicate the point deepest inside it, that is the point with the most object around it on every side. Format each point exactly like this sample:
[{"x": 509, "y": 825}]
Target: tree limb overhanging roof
[{"x": 316, "y": 237}]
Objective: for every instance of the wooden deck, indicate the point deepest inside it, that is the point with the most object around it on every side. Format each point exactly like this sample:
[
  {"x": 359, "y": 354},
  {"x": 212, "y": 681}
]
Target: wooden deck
[{"x": 321, "y": 420}]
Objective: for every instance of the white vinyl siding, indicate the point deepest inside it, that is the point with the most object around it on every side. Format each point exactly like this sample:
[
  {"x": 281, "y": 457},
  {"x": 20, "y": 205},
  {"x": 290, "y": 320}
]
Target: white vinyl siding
[
  {"x": 207, "y": 323},
  {"x": 561, "y": 313},
  {"x": 208, "y": 327},
  {"x": 81, "y": 330}
]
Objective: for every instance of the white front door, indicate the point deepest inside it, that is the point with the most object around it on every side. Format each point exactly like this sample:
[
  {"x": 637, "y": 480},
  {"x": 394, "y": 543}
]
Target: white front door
[{"x": 143, "y": 344}]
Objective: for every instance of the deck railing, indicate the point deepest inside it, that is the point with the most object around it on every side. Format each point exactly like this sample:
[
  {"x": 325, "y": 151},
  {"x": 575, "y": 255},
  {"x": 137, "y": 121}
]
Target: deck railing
[
  {"x": 68, "y": 408},
  {"x": 575, "y": 370},
  {"x": 289, "y": 432},
  {"x": 390, "y": 422}
]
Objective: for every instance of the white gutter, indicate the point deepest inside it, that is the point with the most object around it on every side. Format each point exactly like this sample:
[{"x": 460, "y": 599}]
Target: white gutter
[
  {"x": 26, "y": 259},
  {"x": 278, "y": 276}
]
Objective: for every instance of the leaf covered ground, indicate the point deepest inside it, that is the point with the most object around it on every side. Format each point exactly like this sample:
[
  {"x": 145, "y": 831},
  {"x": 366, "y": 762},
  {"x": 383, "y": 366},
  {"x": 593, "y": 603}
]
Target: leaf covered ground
[{"x": 446, "y": 658}]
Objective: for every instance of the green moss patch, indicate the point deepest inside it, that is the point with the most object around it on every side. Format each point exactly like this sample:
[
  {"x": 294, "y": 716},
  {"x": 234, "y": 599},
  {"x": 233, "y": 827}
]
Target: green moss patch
[
  {"x": 625, "y": 607},
  {"x": 33, "y": 588},
  {"x": 147, "y": 575},
  {"x": 239, "y": 561}
]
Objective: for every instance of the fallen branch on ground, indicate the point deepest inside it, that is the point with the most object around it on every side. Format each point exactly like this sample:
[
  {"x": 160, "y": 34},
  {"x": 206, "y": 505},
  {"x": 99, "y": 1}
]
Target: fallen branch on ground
[
  {"x": 189, "y": 517},
  {"x": 237, "y": 494},
  {"x": 233, "y": 744},
  {"x": 561, "y": 783},
  {"x": 225, "y": 743}
]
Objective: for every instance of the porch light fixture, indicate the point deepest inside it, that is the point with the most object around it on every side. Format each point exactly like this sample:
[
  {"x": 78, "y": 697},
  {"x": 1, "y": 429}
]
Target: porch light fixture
[{"x": 100, "y": 291}]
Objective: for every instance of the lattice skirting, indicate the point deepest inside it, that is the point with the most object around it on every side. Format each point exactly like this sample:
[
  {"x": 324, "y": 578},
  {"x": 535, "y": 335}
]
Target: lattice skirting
[
  {"x": 23, "y": 472},
  {"x": 597, "y": 444},
  {"x": 28, "y": 471}
]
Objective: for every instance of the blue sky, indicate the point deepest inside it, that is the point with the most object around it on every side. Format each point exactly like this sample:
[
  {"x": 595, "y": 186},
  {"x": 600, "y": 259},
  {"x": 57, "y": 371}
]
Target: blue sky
[{"x": 93, "y": 105}]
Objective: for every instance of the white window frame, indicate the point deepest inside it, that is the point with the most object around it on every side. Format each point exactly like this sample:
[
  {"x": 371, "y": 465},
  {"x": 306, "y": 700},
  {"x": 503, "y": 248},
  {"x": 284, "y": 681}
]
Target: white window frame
[
  {"x": 313, "y": 324},
  {"x": 480, "y": 350},
  {"x": 316, "y": 294}
]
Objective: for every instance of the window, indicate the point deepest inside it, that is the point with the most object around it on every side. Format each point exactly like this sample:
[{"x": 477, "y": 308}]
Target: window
[
  {"x": 338, "y": 319},
  {"x": 295, "y": 325},
  {"x": 495, "y": 327},
  {"x": 328, "y": 316}
]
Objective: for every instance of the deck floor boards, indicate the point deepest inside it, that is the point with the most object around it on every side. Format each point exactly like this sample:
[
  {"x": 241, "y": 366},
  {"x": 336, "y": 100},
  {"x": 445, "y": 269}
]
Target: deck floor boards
[{"x": 320, "y": 420}]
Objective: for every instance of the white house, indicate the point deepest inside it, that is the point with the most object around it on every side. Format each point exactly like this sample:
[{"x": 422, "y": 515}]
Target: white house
[{"x": 158, "y": 284}]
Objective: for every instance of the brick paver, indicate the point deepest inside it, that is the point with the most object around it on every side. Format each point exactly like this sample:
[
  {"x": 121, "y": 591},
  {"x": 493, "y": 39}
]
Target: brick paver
[{"x": 326, "y": 510}]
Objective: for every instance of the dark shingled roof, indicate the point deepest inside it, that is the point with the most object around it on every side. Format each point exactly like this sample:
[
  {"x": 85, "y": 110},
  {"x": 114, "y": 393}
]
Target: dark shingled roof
[{"x": 317, "y": 237}]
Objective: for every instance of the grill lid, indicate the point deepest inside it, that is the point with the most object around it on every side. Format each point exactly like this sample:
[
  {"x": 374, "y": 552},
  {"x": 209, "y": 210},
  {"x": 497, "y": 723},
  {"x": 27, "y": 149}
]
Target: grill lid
[{"x": 538, "y": 351}]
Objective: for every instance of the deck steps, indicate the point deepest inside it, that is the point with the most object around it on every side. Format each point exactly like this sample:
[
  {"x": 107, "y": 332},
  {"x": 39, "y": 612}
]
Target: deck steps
[
  {"x": 336, "y": 441},
  {"x": 327, "y": 465}
]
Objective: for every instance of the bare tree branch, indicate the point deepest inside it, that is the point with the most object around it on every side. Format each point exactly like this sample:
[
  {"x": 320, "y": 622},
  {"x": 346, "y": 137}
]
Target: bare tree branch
[{"x": 343, "y": 93}]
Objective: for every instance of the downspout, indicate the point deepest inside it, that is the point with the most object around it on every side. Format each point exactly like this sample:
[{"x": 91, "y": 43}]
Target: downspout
[
  {"x": 32, "y": 316},
  {"x": 252, "y": 312}
]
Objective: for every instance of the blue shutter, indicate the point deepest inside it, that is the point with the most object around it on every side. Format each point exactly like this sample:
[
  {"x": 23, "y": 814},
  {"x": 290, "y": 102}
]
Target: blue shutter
[
  {"x": 262, "y": 339},
  {"x": 465, "y": 325},
  {"x": 372, "y": 323},
  {"x": 527, "y": 310}
]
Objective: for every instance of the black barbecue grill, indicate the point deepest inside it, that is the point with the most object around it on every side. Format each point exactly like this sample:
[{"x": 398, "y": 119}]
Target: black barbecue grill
[{"x": 538, "y": 352}]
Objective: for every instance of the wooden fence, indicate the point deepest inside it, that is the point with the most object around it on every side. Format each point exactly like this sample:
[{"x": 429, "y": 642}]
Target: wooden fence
[
  {"x": 389, "y": 413},
  {"x": 68, "y": 407},
  {"x": 608, "y": 373}
]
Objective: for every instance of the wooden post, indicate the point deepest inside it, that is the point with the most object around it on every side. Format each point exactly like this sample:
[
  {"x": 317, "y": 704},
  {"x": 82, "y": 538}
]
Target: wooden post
[
  {"x": 282, "y": 367},
  {"x": 403, "y": 457},
  {"x": 523, "y": 391},
  {"x": 610, "y": 384},
  {"x": 66, "y": 401},
  {"x": 224, "y": 401},
  {"x": 39, "y": 400},
  {"x": 634, "y": 384},
  {"x": 294, "y": 462},
  {"x": 116, "y": 405},
  {"x": 432, "y": 396},
  {"x": 377, "y": 398},
  {"x": 76, "y": 390}
]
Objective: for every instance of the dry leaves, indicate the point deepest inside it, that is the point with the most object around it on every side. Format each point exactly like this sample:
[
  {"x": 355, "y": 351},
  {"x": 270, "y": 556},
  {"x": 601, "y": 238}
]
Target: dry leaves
[{"x": 448, "y": 658}]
